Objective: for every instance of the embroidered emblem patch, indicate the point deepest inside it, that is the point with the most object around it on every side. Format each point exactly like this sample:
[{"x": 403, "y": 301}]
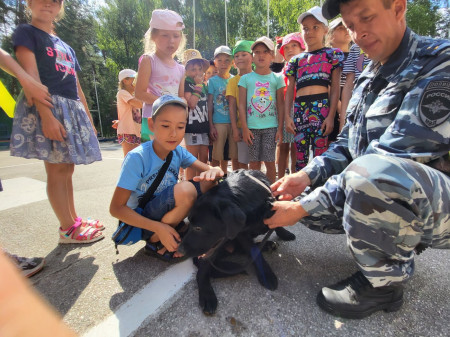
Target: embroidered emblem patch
[{"x": 434, "y": 108}]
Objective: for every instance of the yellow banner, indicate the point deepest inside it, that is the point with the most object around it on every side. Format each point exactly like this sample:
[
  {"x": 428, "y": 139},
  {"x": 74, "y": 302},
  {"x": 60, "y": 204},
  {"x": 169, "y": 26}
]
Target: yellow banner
[{"x": 7, "y": 102}]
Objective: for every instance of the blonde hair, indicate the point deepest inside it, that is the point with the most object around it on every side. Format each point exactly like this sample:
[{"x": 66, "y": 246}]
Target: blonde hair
[
  {"x": 59, "y": 17},
  {"x": 122, "y": 86},
  {"x": 150, "y": 46}
]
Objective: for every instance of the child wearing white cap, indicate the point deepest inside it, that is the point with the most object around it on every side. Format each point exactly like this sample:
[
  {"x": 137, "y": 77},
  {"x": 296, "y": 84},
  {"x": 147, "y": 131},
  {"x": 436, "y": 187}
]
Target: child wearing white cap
[
  {"x": 158, "y": 72},
  {"x": 218, "y": 110},
  {"x": 128, "y": 112},
  {"x": 311, "y": 75},
  {"x": 338, "y": 37}
]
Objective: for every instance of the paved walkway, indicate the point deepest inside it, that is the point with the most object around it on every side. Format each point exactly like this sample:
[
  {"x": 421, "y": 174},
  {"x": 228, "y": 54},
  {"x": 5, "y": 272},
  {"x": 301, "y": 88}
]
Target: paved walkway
[{"x": 100, "y": 293}]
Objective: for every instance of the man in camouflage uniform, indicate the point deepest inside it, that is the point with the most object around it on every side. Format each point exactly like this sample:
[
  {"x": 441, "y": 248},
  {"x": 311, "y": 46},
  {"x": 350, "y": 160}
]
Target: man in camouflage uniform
[{"x": 385, "y": 182}]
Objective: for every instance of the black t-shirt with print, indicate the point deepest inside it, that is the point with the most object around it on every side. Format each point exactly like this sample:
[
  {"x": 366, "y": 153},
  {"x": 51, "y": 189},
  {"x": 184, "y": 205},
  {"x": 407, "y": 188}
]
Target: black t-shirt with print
[
  {"x": 198, "y": 117},
  {"x": 56, "y": 60}
]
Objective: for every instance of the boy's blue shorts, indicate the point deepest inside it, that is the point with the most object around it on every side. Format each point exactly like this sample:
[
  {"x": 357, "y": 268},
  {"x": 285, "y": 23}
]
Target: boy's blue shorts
[{"x": 161, "y": 204}]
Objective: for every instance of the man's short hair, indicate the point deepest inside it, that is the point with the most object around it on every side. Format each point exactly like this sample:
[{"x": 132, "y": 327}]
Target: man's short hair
[
  {"x": 386, "y": 3},
  {"x": 331, "y": 8}
]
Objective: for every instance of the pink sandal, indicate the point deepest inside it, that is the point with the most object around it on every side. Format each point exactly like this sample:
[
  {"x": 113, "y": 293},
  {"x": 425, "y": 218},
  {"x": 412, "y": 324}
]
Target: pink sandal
[
  {"x": 91, "y": 222},
  {"x": 85, "y": 236}
]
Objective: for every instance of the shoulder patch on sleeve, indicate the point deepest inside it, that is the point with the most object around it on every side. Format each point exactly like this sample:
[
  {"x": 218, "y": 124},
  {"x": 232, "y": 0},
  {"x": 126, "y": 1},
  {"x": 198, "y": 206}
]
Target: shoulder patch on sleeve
[{"x": 434, "y": 106}]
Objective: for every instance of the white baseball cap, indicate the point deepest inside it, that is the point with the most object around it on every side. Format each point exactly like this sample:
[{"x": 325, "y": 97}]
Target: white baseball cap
[
  {"x": 266, "y": 41},
  {"x": 316, "y": 11},
  {"x": 335, "y": 23},
  {"x": 126, "y": 73},
  {"x": 222, "y": 50}
]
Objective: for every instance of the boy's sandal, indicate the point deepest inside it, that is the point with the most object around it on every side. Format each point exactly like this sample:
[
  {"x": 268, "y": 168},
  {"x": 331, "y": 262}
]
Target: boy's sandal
[
  {"x": 88, "y": 235},
  {"x": 152, "y": 248},
  {"x": 91, "y": 222}
]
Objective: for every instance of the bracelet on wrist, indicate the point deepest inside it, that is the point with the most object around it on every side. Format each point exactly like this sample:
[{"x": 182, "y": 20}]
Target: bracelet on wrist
[{"x": 196, "y": 95}]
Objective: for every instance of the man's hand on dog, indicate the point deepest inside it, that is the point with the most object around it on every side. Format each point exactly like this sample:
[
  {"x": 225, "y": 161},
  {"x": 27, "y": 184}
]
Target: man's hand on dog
[
  {"x": 214, "y": 173},
  {"x": 290, "y": 186},
  {"x": 287, "y": 213}
]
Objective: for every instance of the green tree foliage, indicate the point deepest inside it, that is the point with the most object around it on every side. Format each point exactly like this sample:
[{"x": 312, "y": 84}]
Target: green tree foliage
[
  {"x": 286, "y": 13},
  {"x": 109, "y": 38},
  {"x": 121, "y": 28},
  {"x": 422, "y": 16}
]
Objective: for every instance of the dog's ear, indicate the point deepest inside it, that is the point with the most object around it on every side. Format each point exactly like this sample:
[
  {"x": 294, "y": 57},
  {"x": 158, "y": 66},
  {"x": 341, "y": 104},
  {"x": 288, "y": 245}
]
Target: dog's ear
[{"x": 234, "y": 219}]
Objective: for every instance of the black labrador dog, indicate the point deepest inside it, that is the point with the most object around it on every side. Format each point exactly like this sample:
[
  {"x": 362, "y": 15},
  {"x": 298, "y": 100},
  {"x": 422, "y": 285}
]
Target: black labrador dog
[{"x": 225, "y": 220}]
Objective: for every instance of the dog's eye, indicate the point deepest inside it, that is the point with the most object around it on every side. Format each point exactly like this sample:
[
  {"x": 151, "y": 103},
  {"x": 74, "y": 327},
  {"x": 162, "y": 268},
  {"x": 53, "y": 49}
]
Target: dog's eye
[{"x": 197, "y": 229}]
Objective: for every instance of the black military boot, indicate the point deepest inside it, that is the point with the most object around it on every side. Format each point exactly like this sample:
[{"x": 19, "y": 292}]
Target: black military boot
[{"x": 355, "y": 297}]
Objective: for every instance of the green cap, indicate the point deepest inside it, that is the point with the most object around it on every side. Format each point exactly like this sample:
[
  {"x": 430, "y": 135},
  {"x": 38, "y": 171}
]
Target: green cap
[{"x": 243, "y": 45}]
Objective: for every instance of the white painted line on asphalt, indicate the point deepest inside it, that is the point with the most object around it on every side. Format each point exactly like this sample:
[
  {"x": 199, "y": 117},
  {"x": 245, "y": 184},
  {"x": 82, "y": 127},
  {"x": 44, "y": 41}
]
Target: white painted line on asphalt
[
  {"x": 21, "y": 191},
  {"x": 145, "y": 302}
]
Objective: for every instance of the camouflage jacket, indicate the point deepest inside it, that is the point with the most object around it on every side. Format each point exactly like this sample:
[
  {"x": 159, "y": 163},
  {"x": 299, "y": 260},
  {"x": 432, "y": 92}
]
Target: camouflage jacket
[{"x": 401, "y": 108}]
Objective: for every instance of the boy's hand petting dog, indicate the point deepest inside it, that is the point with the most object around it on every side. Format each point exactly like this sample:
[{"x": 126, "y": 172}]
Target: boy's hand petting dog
[
  {"x": 214, "y": 173},
  {"x": 168, "y": 236}
]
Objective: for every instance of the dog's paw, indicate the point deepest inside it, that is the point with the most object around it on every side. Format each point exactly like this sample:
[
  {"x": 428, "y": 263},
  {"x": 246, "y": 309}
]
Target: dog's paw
[
  {"x": 269, "y": 247},
  {"x": 208, "y": 303},
  {"x": 284, "y": 234}
]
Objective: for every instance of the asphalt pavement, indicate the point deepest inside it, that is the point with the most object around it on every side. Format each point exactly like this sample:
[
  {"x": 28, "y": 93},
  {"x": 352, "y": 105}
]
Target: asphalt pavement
[{"x": 101, "y": 293}]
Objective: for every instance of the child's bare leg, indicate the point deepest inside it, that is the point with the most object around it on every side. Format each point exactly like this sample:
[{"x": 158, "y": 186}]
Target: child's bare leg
[
  {"x": 255, "y": 165},
  {"x": 293, "y": 157},
  {"x": 60, "y": 195},
  {"x": 203, "y": 153},
  {"x": 126, "y": 147},
  {"x": 243, "y": 166},
  {"x": 270, "y": 170},
  {"x": 69, "y": 186},
  {"x": 224, "y": 166},
  {"x": 185, "y": 195},
  {"x": 283, "y": 150},
  {"x": 234, "y": 164},
  {"x": 57, "y": 193}
]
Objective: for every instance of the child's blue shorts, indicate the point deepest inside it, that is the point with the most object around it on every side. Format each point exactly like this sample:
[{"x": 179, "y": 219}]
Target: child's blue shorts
[{"x": 161, "y": 204}]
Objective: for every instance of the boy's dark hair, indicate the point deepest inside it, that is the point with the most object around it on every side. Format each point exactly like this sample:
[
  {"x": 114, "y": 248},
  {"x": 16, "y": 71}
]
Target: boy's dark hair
[
  {"x": 211, "y": 63},
  {"x": 332, "y": 8},
  {"x": 195, "y": 62}
]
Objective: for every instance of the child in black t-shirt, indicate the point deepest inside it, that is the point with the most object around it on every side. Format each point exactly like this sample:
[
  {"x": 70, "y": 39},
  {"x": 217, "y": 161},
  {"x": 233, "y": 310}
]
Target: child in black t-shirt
[{"x": 195, "y": 92}]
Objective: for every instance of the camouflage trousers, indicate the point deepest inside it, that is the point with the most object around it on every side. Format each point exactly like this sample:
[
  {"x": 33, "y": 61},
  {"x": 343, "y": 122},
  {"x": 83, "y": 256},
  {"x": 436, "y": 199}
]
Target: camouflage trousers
[{"x": 386, "y": 206}]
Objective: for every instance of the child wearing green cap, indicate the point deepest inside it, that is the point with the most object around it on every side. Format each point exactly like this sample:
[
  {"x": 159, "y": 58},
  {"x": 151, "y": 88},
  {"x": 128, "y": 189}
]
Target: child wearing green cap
[{"x": 243, "y": 58}]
